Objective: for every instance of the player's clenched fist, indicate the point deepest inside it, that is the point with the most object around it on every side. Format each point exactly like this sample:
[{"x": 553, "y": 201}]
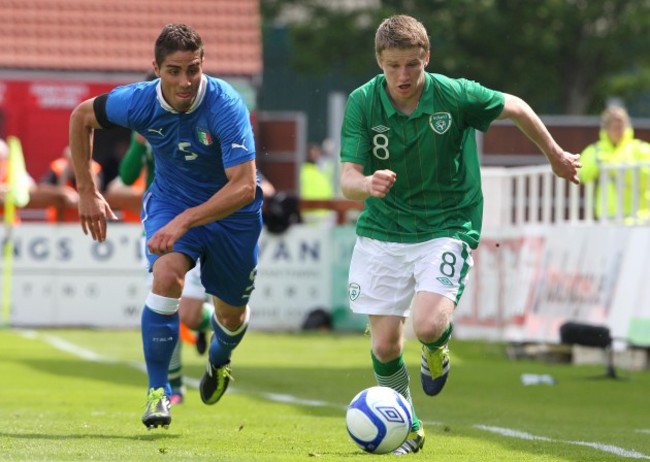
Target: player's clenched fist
[{"x": 380, "y": 182}]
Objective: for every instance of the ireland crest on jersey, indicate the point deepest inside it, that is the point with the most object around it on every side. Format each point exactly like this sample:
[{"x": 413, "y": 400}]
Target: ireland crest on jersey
[
  {"x": 440, "y": 122},
  {"x": 204, "y": 136}
]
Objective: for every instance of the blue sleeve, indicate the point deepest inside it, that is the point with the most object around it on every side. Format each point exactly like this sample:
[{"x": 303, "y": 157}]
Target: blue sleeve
[
  {"x": 117, "y": 105},
  {"x": 235, "y": 132}
]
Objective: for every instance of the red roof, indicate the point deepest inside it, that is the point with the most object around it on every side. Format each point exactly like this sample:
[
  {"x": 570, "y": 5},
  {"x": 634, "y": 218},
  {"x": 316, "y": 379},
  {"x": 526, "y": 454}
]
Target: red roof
[{"x": 119, "y": 35}]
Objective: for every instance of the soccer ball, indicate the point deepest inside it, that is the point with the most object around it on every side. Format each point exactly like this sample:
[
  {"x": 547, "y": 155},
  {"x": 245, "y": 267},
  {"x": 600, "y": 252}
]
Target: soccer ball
[{"x": 379, "y": 419}]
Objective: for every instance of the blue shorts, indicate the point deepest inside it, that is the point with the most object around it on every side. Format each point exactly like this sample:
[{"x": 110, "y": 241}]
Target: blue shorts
[{"x": 227, "y": 248}]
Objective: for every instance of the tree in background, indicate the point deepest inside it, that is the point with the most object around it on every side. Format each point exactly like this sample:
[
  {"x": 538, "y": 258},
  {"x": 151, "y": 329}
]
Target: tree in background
[{"x": 565, "y": 56}]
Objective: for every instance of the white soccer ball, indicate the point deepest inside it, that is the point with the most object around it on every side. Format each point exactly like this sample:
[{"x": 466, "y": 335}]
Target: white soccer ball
[{"x": 379, "y": 419}]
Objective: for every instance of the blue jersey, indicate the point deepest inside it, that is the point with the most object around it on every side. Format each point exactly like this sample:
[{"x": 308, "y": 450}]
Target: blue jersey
[{"x": 191, "y": 149}]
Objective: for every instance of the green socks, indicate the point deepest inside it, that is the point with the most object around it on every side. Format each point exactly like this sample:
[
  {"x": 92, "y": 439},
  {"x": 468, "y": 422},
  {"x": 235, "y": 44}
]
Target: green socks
[
  {"x": 205, "y": 318},
  {"x": 393, "y": 374},
  {"x": 444, "y": 338}
]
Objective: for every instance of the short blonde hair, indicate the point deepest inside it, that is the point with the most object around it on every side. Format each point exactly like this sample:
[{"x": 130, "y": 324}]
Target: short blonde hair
[
  {"x": 401, "y": 31},
  {"x": 613, "y": 113}
]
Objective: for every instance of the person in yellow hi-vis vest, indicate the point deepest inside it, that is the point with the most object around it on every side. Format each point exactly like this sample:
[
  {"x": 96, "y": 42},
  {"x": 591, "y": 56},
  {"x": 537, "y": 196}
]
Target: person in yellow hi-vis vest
[
  {"x": 24, "y": 183},
  {"x": 316, "y": 183},
  {"x": 617, "y": 145}
]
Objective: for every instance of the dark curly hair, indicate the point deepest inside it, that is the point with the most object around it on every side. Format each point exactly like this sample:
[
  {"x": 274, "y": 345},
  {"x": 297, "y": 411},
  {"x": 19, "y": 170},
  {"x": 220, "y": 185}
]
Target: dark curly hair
[{"x": 177, "y": 37}]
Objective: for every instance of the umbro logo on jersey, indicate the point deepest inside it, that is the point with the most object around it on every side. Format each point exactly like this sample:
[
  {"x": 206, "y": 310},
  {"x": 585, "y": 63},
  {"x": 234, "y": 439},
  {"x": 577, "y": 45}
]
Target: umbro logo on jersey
[
  {"x": 158, "y": 131},
  {"x": 380, "y": 129},
  {"x": 445, "y": 281}
]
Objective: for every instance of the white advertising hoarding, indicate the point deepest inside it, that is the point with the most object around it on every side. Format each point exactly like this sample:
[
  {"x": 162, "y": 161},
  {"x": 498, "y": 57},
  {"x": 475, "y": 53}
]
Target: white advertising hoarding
[
  {"x": 525, "y": 283},
  {"x": 293, "y": 277},
  {"x": 62, "y": 277}
]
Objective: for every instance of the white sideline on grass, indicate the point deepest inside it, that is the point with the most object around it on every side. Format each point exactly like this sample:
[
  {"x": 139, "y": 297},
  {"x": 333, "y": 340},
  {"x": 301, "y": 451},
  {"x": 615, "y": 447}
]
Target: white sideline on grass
[
  {"x": 599, "y": 446},
  {"x": 68, "y": 347}
]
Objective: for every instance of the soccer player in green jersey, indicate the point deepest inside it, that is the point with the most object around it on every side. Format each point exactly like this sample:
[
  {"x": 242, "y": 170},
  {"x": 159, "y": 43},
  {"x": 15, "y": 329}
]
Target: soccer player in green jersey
[{"x": 408, "y": 150}]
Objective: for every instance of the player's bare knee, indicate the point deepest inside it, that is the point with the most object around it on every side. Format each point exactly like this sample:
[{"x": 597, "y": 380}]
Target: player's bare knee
[
  {"x": 386, "y": 351},
  {"x": 229, "y": 316},
  {"x": 168, "y": 282},
  {"x": 432, "y": 330},
  {"x": 191, "y": 311}
]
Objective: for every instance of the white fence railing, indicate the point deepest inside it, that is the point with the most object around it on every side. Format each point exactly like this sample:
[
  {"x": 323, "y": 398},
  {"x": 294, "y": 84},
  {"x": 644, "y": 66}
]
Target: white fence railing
[{"x": 534, "y": 195}]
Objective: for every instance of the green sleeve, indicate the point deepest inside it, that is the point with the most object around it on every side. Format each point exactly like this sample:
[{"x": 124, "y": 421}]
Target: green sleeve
[
  {"x": 481, "y": 105},
  {"x": 133, "y": 161},
  {"x": 355, "y": 140}
]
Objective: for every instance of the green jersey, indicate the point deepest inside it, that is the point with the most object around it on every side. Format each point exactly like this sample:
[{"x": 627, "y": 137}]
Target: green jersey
[{"x": 437, "y": 192}]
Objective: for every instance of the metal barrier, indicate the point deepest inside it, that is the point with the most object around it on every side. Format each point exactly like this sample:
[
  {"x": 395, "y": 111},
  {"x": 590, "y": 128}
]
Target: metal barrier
[{"x": 534, "y": 195}]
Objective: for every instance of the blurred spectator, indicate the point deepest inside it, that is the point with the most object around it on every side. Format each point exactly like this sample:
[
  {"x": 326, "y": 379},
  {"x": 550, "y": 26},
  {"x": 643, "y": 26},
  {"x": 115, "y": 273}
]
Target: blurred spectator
[
  {"x": 617, "y": 145},
  {"x": 59, "y": 181},
  {"x": 4, "y": 177},
  {"x": 316, "y": 183},
  {"x": 126, "y": 199}
]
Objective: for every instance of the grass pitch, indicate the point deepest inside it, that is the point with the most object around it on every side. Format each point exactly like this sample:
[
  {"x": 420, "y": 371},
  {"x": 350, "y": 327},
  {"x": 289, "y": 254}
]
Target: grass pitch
[{"x": 69, "y": 395}]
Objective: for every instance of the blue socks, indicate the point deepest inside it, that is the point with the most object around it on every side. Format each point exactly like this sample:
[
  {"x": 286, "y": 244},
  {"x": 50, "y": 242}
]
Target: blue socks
[
  {"x": 224, "y": 341},
  {"x": 159, "y": 337}
]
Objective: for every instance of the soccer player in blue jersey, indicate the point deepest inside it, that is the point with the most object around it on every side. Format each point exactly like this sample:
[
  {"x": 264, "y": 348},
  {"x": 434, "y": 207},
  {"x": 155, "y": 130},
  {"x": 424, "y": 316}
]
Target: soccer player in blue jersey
[
  {"x": 205, "y": 202},
  {"x": 408, "y": 149}
]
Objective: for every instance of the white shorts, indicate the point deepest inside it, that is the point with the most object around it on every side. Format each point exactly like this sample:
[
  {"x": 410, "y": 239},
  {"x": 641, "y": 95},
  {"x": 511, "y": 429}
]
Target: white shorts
[
  {"x": 193, "y": 287},
  {"x": 384, "y": 276}
]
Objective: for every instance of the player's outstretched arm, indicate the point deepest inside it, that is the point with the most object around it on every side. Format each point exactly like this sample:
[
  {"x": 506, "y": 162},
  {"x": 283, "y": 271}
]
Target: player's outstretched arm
[
  {"x": 93, "y": 208},
  {"x": 563, "y": 163}
]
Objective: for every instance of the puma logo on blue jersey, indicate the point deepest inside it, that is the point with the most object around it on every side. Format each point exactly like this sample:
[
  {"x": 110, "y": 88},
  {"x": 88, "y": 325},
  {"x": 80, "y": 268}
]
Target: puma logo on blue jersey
[{"x": 235, "y": 146}]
